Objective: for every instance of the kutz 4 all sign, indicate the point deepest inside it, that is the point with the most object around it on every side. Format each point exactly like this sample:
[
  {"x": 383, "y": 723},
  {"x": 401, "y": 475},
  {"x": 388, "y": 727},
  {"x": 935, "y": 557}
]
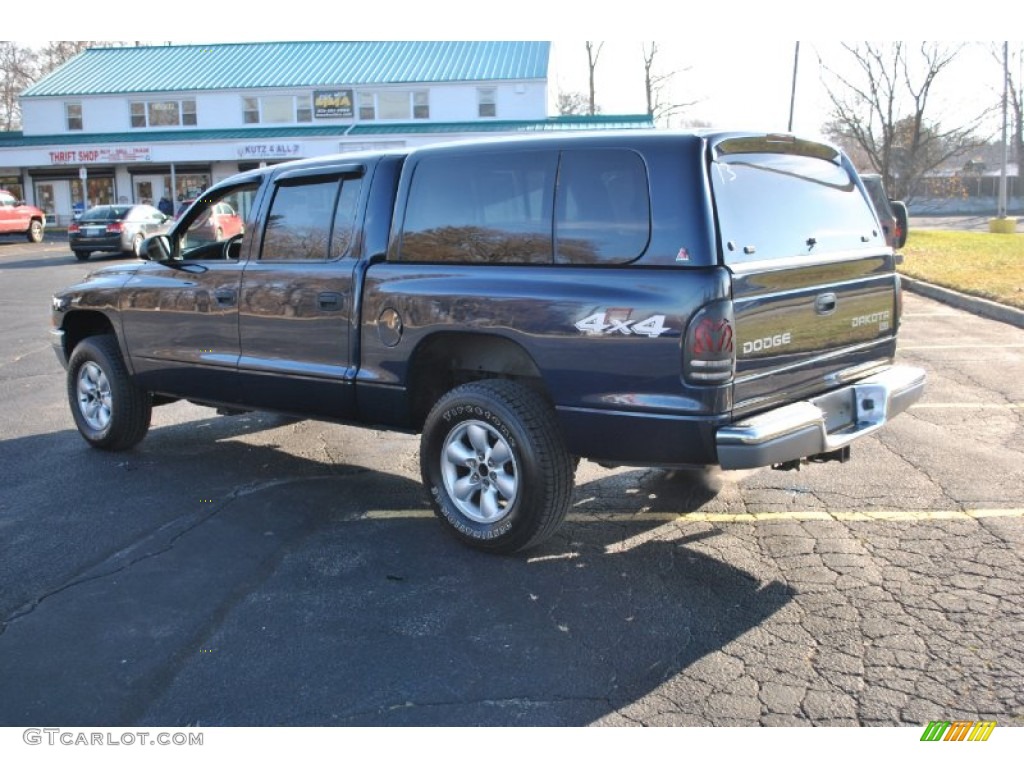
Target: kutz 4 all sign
[{"x": 959, "y": 730}]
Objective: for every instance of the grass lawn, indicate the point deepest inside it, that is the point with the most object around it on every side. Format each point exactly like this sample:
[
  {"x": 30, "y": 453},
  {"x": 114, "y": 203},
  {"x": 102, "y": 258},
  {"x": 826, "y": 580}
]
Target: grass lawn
[{"x": 977, "y": 263}]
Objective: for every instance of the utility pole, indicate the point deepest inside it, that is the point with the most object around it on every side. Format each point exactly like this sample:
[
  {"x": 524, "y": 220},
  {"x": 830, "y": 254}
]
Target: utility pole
[
  {"x": 792, "y": 95},
  {"x": 1001, "y": 212}
]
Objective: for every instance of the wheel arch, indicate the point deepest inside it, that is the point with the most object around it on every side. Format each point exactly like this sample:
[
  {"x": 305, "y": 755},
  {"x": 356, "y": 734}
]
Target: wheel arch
[
  {"x": 81, "y": 324},
  {"x": 447, "y": 359}
]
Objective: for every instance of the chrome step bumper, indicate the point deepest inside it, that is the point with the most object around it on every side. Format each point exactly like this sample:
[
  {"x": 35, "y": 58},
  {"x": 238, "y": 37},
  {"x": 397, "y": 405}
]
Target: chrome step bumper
[{"x": 822, "y": 424}]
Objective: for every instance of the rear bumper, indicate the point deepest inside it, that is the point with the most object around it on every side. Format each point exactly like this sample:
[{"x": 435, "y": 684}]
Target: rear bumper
[
  {"x": 822, "y": 424},
  {"x": 110, "y": 244}
]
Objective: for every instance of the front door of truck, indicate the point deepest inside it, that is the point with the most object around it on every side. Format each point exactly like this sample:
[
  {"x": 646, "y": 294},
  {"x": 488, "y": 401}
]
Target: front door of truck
[{"x": 180, "y": 314}]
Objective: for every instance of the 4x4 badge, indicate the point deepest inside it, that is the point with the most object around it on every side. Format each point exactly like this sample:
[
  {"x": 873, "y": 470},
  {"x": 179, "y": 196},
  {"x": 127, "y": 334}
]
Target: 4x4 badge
[{"x": 607, "y": 323}]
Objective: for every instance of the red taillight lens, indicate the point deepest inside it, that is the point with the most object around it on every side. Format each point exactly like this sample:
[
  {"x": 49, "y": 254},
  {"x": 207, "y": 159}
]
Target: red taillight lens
[
  {"x": 709, "y": 356},
  {"x": 114, "y": 227},
  {"x": 73, "y": 227},
  {"x": 712, "y": 337}
]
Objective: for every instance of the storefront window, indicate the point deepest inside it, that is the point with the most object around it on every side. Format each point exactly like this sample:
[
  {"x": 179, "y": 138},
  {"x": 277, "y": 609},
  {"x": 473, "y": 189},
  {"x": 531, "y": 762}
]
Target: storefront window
[
  {"x": 44, "y": 199},
  {"x": 189, "y": 186},
  {"x": 73, "y": 115},
  {"x": 394, "y": 105},
  {"x": 162, "y": 114},
  {"x": 100, "y": 192},
  {"x": 13, "y": 185}
]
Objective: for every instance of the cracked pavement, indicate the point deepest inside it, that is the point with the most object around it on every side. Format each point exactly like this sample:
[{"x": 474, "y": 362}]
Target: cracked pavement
[{"x": 255, "y": 570}]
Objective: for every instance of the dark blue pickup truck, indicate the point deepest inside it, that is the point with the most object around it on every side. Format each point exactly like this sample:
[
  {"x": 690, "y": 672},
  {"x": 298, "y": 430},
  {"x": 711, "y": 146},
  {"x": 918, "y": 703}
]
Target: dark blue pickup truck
[{"x": 638, "y": 298}]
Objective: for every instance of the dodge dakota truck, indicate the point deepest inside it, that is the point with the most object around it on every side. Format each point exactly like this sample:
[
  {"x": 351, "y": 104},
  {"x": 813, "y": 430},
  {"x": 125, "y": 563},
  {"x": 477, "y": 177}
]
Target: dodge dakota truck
[{"x": 634, "y": 298}]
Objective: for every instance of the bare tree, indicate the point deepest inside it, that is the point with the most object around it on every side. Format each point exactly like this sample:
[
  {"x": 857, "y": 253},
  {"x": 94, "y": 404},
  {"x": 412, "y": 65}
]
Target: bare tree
[
  {"x": 881, "y": 108},
  {"x": 17, "y": 71},
  {"x": 593, "y": 54},
  {"x": 656, "y": 86},
  {"x": 571, "y": 103},
  {"x": 57, "y": 52}
]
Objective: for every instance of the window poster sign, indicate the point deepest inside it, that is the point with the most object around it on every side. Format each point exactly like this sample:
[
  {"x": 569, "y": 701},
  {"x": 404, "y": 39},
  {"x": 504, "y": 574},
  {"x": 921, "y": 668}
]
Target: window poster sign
[{"x": 337, "y": 103}]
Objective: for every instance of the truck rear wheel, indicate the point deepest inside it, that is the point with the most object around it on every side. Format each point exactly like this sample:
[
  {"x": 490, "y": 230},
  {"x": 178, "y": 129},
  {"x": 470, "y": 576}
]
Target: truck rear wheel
[
  {"x": 110, "y": 409},
  {"x": 495, "y": 465}
]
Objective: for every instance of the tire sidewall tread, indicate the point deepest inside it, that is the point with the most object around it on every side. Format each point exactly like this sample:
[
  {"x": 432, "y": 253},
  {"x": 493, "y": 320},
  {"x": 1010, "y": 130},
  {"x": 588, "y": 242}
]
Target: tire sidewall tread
[
  {"x": 529, "y": 425},
  {"x": 131, "y": 409}
]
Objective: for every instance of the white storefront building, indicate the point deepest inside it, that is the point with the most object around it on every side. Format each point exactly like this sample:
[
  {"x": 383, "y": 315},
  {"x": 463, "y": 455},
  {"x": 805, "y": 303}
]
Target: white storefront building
[{"x": 140, "y": 124}]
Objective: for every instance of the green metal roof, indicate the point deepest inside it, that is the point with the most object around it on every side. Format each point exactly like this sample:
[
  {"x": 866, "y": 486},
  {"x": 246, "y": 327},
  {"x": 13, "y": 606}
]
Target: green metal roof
[
  {"x": 290, "y": 64},
  {"x": 574, "y": 123},
  {"x": 566, "y": 123}
]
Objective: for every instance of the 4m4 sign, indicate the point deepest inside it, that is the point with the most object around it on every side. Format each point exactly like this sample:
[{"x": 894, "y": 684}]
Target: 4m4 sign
[{"x": 610, "y": 322}]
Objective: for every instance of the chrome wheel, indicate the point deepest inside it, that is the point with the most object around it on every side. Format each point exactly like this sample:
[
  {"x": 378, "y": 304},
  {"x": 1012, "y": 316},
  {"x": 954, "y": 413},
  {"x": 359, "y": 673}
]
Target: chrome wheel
[
  {"x": 480, "y": 472},
  {"x": 94, "y": 400}
]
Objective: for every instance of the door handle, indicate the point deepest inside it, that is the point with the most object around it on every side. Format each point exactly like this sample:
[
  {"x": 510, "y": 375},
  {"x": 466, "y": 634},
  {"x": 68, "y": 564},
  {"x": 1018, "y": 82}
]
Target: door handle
[
  {"x": 225, "y": 297},
  {"x": 329, "y": 302}
]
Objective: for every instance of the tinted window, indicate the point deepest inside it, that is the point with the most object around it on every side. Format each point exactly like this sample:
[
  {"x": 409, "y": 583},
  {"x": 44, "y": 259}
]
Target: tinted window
[
  {"x": 345, "y": 218},
  {"x": 205, "y": 235},
  {"x": 481, "y": 208},
  {"x": 774, "y": 206},
  {"x": 299, "y": 223},
  {"x": 603, "y": 208},
  {"x": 302, "y": 217}
]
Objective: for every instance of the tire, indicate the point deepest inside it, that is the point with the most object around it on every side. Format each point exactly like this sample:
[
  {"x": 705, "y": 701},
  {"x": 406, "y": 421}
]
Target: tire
[
  {"x": 82, "y": 255},
  {"x": 34, "y": 234},
  {"x": 110, "y": 410},
  {"x": 526, "y": 495},
  {"x": 137, "y": 246}
]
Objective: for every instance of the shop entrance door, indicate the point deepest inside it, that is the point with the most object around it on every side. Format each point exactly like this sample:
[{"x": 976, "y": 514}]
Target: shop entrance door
[{"x": 149, "y": 189}]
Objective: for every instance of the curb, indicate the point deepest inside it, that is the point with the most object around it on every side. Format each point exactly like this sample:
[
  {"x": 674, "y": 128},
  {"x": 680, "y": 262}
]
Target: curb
[{"x": 977, "y": 306}]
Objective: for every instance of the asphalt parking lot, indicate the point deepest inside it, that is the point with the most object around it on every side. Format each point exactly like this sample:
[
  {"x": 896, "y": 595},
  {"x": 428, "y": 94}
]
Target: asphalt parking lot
[{"x": 254, "y": 570}]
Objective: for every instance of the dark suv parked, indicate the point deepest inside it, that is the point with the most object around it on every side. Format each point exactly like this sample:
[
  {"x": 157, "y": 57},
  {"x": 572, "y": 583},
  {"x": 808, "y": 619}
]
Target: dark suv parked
[{"x": 638, "y": 298}]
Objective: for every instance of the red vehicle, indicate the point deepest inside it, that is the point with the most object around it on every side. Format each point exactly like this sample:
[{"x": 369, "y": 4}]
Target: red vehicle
[
  {"x": 20, "y": 218},
  {"x": 222, "y": 222}
]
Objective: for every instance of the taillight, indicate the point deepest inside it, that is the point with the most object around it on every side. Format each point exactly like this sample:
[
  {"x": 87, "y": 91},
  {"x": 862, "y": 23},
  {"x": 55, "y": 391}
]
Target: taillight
[
  {"x": 73, "y": 227},
  {"x": 114, "y": 227},
  {"x": 709, "y": 355}
]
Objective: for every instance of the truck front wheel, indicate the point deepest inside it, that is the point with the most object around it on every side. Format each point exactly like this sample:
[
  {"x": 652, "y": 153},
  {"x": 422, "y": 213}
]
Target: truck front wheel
[
  {"x": 495, "y": 465},
  {"x": 109, "y": 408}
]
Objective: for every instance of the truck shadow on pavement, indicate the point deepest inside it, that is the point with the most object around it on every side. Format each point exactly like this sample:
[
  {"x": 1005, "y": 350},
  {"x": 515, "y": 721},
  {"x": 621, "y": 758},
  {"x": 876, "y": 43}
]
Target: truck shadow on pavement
[{"x": 232, "y": 583}]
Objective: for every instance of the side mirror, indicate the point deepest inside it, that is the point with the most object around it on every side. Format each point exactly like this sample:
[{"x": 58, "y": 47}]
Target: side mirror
[
  {"x": 156, "y": 248},
  {"x": 899, "y": 210}
]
